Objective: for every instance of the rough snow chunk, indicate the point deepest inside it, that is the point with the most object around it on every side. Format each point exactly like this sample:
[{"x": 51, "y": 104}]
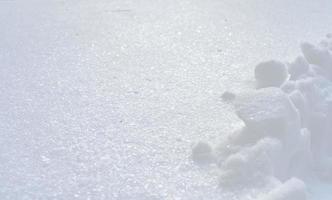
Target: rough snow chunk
[
  {"x": 298, "y": 68},
  {"x": 270, "y": 74},
  {"x": 300, "y": 103},
  {"x": 243, "y": 136},
  {"x": 318, "y": 56},
  {"x": 202, "y": 153},
  {"x": 300, "y": 163},
  {"x": 318, "y": 126},
  {"x": 293, "y": 189},
  {"x": 252, "y": 164},
  {"x": 228, "y": 96},
  {"x": 315, "y": 70},
  {"x": 314, "y": 55},
  {"x": 268, "y": 111},
  {"x": 289, "y": 86},
  {"x": 328, "y": 42}
]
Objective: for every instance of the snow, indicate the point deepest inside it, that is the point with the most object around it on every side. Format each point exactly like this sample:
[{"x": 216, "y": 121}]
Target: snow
[
  {"x": 294, "y": 189},
  {"x": 202, "y": 153},
  {"x": 286, "y": 133},
  {"x": 268, "y": 111},
  {"x": 270, "y": 73},
  {"x": 228, "y": 96},
  {"x": 104, "y": 99},
  {"x": 317, "y": 55},
  {"x": 298, "y": 68}
]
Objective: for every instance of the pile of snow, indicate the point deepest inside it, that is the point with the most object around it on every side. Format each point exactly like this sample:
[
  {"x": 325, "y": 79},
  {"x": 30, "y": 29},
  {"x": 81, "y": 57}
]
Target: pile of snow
[{"x": 286, "y": 138}]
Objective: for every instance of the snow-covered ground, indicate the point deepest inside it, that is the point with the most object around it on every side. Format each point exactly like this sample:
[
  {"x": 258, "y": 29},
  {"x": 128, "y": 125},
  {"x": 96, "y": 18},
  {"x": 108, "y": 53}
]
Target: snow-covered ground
[{"x": 104, "y": 99}]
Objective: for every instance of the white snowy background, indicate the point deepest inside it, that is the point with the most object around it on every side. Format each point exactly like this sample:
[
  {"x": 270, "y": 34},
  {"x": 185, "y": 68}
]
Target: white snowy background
[{"x": 104, "y": 99}]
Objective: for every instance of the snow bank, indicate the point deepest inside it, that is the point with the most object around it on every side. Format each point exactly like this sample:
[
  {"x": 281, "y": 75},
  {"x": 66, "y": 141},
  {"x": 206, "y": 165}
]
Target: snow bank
[{"x": 287, "y": 129}]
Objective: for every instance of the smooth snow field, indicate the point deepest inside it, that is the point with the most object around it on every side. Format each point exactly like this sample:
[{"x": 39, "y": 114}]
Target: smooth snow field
[{"x": 166, "y": 99}]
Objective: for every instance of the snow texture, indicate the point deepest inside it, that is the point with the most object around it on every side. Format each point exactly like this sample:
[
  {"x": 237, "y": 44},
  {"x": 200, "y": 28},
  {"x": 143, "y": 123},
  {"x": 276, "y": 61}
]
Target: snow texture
[{"x": 105, "y": 99}]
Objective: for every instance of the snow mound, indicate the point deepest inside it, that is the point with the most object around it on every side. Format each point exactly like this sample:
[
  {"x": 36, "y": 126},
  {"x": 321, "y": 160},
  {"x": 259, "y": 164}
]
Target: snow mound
[{"x": 287, "y": 129}]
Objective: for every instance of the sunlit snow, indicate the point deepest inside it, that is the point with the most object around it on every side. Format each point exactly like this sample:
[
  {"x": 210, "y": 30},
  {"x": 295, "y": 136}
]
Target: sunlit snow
[{"x": 139, "y": 99}]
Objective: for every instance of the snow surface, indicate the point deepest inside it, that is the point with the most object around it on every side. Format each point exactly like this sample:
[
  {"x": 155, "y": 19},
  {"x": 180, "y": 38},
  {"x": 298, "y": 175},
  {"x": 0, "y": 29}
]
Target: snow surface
[{"x": 104, "y": 99}]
